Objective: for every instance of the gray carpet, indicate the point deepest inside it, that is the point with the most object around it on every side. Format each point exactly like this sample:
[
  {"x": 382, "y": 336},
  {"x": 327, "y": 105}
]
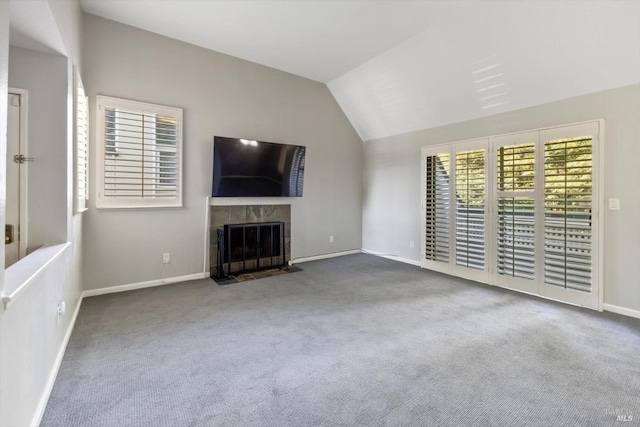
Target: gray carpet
[{"x": 350, "y": 341}]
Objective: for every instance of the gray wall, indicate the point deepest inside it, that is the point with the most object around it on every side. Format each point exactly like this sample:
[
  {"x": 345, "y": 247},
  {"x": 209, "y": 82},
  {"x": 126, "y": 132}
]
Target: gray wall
[
  {"x": 32, "y": 336},
  {"x": 391, "y": 199},
  {"x": 226, "y": 96},
  {"x": 45, "y": 77}
]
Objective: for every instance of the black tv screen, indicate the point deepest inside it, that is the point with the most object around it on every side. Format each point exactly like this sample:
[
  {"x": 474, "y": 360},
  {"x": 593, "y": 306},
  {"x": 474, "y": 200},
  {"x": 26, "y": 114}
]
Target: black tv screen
[{"x": 249, "y": 168}]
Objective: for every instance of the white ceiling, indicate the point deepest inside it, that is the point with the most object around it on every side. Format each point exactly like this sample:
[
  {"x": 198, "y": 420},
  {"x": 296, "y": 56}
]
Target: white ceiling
[
  {"x": 33, "y": 27},
  {"x": 399, "y": 66},
  {"x": 317, "y": 39},
  {"x": 396, "y": 66},
  {"x": 501, "y": 57}
]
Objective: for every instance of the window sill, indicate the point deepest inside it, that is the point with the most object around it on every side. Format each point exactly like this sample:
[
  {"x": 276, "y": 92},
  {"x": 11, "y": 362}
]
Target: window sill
[{"x": 19, "y": 276}]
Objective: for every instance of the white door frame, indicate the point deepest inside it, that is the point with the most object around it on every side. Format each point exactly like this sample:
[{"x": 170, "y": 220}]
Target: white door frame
[
  {"x": 594, "y": 298},
  {"x": 22, "y": 230}
]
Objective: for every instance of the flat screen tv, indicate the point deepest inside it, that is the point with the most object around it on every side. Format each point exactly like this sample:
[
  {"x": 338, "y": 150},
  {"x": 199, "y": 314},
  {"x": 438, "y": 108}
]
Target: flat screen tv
[{"x": 249, "y": 168}]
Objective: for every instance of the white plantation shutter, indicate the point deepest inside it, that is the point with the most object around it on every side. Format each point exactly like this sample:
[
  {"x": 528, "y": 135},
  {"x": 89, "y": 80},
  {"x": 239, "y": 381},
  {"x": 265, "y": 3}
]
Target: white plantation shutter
[
  {"x": 516, "y": 237},
  {"x": 541, "y": 191},
  {"x": 81, "y": 146},
  {"x": 515, "y": 231},
  {"x": 437, "y": 207},
  {"x": 140, "y": 154},
  {"x": 567, "y": 221},
  {"x": 455, "y": 209},
  {"x": 470, "y": 208}
]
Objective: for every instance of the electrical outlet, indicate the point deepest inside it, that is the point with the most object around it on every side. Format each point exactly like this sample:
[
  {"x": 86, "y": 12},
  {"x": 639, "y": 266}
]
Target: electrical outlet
[
  {"x": 331, "y": 239},
  {"x": 614, "y": 204},
  {"x": 62, "y": 308},
  {"x": 166, "y": 258}
]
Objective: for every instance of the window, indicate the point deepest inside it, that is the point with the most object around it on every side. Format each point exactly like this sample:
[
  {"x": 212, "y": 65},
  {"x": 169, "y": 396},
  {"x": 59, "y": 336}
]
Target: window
[
  {"x": 139, "y": 154},
  {"x": 81, "y": 139},
  {"x": 437, "y": 195}
]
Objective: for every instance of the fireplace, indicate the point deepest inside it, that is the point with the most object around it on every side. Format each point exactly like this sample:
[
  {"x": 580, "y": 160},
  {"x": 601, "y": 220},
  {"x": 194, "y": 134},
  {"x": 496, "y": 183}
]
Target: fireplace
[
  {"x": 248, "y": 238},
  {"x": 255, "y": 246}
]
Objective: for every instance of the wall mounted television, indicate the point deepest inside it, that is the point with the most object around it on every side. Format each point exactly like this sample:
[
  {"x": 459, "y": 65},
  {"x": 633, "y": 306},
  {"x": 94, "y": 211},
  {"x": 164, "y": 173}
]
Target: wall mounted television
[{"x": 249, "y": 168}]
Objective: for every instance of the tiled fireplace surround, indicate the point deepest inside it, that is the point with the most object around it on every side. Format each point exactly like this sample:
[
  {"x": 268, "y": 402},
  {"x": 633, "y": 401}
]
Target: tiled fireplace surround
[{"x": 244, "y": 214}]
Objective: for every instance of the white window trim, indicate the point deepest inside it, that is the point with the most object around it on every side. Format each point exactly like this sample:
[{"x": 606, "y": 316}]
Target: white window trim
[{"x": 102, "y": 202}]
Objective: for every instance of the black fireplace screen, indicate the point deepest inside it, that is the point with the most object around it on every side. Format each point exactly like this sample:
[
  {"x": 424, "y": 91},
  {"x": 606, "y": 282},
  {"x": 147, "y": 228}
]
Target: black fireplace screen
[
  {"x": 247, "y": 247},
  {"x": 252, "y": 241}
]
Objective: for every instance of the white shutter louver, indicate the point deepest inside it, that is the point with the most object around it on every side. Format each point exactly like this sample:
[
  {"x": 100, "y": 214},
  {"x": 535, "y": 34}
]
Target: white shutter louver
[
  {"x": 516, "y": 167},
  {"x": 144, "y": 164},
  {"x": 470, "y": 210},
  {"x": 516, "y": 237},
  {"x": 526, "y": 217},
  {"x": 516, "y": 208},
  {"x": 567, "y": 221},
  {"x": 82, "y": 147},
  {"x": 437, "y": 209},
  {"x": 140, "y": 155}
]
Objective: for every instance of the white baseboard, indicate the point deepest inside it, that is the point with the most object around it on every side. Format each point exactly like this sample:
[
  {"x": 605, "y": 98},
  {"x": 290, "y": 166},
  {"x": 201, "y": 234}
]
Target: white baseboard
[
  {"x": 42, "y": 404},
  {"x": 324, "y": 256},
  {"x": 393, "y": 257},
  {"x": 140, "y": 285},
  {"x": 44, "y": 399},
  {"x": 622, "y": 310}
]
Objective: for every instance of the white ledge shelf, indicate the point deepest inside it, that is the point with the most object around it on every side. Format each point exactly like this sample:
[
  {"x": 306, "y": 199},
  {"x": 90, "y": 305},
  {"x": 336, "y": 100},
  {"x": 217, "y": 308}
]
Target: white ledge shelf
[{"x": 19, "y": 276}]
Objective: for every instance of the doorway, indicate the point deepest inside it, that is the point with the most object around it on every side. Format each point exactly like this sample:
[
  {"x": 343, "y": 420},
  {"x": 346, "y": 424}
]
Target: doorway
[{"x": 16, "y": 180}]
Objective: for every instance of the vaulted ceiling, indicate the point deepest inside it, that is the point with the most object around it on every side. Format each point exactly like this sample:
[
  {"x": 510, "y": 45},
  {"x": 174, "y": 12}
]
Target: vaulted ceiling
[
  {"x": 395, "y": 66},
  {"x": 494, "y": 58},
  {"x": 317, "y": 39}
]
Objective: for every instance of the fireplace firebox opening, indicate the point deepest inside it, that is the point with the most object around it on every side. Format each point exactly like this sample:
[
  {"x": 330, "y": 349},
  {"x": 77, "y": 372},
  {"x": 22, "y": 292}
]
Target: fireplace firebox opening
[{"x": 250, "y": 247}]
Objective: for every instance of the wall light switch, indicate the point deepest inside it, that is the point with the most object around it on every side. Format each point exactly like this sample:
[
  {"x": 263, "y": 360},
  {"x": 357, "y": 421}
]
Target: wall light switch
[
  {"x": 411, "y": 244},
  {"x": 330, "y": 239},
  {"x": 614, "y": 204}
]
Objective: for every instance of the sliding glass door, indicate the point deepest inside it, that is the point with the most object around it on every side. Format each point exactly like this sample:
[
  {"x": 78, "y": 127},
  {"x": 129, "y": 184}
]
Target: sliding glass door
[
  {"x": 519, "y": 211},
  {"x": 571, "y": 214},
  {"x": 514, "y": 201}
]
